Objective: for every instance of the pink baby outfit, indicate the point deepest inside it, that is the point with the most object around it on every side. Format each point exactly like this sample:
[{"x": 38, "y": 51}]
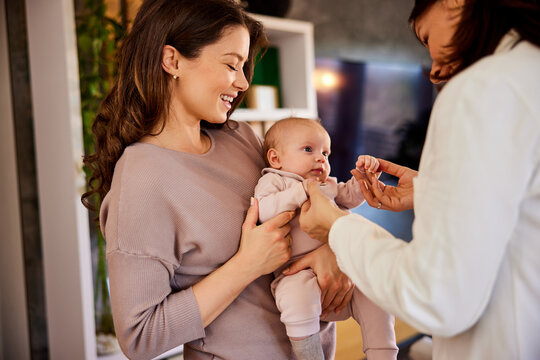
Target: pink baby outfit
[{"x": 298, "y": 296}]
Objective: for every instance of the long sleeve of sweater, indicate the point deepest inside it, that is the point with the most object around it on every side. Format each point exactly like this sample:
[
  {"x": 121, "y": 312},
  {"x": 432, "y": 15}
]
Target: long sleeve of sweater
[
  {"x": 154, "y": 318},
  {"x": 349, "y": 194}
]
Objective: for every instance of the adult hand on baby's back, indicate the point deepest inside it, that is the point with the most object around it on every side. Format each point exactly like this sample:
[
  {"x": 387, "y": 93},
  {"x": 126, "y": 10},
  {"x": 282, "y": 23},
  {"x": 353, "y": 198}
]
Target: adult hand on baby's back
[{"x": 266, "y": 247}]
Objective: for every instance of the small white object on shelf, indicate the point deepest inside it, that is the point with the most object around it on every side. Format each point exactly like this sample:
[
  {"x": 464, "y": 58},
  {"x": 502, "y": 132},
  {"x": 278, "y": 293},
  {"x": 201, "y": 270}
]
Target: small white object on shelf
[{"x": 262, "y": 97}]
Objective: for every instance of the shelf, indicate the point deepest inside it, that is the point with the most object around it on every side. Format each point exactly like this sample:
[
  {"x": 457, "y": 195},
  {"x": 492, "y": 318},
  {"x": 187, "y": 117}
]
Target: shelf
[
  {"x": 271, "y": 115},
  {"x": 294, "y": 40}
]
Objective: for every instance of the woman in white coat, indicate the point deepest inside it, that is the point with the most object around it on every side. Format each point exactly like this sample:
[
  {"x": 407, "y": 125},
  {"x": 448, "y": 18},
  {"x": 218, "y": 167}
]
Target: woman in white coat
[{"x": 471, "y": 274}]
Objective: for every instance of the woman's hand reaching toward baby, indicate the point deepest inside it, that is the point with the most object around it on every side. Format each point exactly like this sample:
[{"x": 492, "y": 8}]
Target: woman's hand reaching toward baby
[{"x": 381, "y": 196}]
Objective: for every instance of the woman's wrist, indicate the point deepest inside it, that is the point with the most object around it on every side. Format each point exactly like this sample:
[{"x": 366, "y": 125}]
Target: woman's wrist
[
  {"x": 243, "y": 267},
  {"x": 330, "y": 220},
  {"x": 336, "y": 214}
]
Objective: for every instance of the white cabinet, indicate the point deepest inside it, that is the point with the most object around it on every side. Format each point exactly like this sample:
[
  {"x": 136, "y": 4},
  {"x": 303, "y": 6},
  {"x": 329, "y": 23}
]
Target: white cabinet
[{"x": 294, "y": 40}]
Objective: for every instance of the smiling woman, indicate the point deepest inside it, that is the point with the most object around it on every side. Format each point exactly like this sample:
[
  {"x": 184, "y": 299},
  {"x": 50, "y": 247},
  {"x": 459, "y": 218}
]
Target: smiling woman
[
  {"x": 217, "y": 72},
  {"x": 175, "y": 177}
]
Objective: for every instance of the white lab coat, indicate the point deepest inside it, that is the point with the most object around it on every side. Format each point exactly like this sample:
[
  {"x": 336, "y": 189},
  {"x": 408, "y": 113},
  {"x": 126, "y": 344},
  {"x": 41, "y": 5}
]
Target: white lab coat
[{"x": 471, "y": 274}]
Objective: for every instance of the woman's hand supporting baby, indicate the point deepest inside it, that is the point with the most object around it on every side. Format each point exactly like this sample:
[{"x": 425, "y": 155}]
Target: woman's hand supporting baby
[
  {"x": 266, "y": 247},
  {"x": 263, "y": 249}
]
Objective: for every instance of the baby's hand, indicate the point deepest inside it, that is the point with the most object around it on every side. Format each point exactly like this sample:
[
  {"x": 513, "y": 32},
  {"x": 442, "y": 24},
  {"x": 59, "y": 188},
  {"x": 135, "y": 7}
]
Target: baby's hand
[{"x": 367, "y": 163}]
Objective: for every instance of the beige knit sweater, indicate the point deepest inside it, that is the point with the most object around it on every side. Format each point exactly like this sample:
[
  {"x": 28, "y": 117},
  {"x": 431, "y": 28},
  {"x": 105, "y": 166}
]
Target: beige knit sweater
[{"x": 170, "y": 219}]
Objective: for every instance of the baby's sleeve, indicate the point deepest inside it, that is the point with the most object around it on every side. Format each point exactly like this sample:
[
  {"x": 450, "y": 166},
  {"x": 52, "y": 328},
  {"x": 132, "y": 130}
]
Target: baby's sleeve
[
  {"x": 275, "y": 196},
  {"x": 349, "y": 194}
]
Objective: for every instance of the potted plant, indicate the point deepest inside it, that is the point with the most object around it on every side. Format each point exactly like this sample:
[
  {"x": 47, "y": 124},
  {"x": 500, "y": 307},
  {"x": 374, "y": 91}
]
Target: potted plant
[{"x": 98, "y": 38}]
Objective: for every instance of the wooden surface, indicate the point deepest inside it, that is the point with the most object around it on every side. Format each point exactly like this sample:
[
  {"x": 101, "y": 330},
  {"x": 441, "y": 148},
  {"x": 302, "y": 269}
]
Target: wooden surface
[{"x": 349, "y": 338}]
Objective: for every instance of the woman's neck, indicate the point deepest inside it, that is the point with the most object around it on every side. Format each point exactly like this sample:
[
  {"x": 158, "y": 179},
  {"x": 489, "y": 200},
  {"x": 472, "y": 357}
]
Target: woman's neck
[{"x": 184, "y": 137}]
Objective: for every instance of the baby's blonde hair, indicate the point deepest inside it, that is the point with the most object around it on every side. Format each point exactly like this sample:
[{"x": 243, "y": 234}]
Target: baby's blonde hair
[{"x": 275, "y": 133}]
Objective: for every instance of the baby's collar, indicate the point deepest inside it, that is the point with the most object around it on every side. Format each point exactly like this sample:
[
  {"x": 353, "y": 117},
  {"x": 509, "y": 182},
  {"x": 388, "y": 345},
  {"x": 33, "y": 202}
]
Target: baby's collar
[{"x": 282, "y": 173}]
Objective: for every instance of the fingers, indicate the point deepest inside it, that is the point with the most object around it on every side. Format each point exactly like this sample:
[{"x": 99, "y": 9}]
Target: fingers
[
  {"x": 314, "y": 194},
  {"x": 346, "y": 299},
  {"x": 305, "y": 207},
  {"x": 368, "y": 163},
  {"x": 283, "y": 232},
  {"x": 252, "y": 215},
  {"x": 324, "y": 300},
  {"x": 373, "y": 164},
  {"x": 344, "y": 293},
  {"x": 381, "y": 201},
  {"x": 358, "y": 175},
  {"x": 279, "y": 220},
  {"x": 368, "y": 195},
  {"x": 328, "y": 303},
  {"x": 338, "y": 299},
  {"x": 334, "y": 297},
  {"x": 376, "y": 186},
  {"x": 313, "y": 189},
  {"x": 360, "y": 163},
  {"x": 390, "y": 168},
  {"x": 296, "y": 266}
]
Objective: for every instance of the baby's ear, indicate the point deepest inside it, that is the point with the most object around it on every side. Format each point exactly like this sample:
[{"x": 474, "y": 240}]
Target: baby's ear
[{"x": 273, "y": 158}]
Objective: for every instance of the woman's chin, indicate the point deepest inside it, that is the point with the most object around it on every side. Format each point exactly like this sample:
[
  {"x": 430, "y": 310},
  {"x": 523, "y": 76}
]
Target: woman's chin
[{"x": 217, "y": 119}]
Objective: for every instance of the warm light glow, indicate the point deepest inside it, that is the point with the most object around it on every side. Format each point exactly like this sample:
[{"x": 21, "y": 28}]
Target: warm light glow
[{"x": 325, "y": 79}]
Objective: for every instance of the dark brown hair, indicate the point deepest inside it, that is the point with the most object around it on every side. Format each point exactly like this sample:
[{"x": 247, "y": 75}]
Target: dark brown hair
[
  {"x": 137, "y": 103},
  {"x": 483, "y": 23}
]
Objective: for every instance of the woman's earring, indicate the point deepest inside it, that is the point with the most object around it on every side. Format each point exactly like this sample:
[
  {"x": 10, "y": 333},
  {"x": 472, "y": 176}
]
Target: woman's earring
[{"x": 175, "y": 77}]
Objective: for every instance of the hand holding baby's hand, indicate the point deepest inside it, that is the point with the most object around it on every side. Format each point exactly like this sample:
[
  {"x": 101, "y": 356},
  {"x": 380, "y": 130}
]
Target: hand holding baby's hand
[{"x": 366, "y": 163}]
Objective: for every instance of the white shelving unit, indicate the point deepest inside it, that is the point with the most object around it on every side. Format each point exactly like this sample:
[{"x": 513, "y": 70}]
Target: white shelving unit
[{"x": 294, "y": 40}]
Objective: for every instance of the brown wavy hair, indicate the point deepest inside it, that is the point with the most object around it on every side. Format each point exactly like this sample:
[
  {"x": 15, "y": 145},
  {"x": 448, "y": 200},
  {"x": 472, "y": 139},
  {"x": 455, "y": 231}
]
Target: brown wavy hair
[
  {"x": 139, "y": 99},
  {"x": 482, "y": 25}
]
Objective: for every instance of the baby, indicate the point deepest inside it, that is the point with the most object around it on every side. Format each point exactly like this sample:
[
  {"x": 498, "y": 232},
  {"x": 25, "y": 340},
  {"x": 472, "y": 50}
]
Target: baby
[{"x": 295, "y": 150}]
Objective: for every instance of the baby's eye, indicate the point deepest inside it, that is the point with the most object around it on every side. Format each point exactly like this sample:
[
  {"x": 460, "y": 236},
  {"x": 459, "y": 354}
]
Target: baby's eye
[
  {"x": 308, "y": 149},
  {"x": 326, "y": 154},
  {"x": 232, "y": 67}
]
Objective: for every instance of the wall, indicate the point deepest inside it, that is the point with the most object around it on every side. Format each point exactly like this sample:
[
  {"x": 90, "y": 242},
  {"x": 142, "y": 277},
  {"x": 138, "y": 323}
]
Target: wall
[
  {"x": 58, "y": 140},
  {"x": 13, "y": 315},
  {"x": 362, "y": 30},
  {"x": 56, "y": 124},
  {"x": 358, "y": 30}
]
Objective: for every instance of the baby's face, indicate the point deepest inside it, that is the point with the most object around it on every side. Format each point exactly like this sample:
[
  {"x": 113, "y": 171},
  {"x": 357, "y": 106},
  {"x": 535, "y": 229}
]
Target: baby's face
[{"x": 304, "y": 150}]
